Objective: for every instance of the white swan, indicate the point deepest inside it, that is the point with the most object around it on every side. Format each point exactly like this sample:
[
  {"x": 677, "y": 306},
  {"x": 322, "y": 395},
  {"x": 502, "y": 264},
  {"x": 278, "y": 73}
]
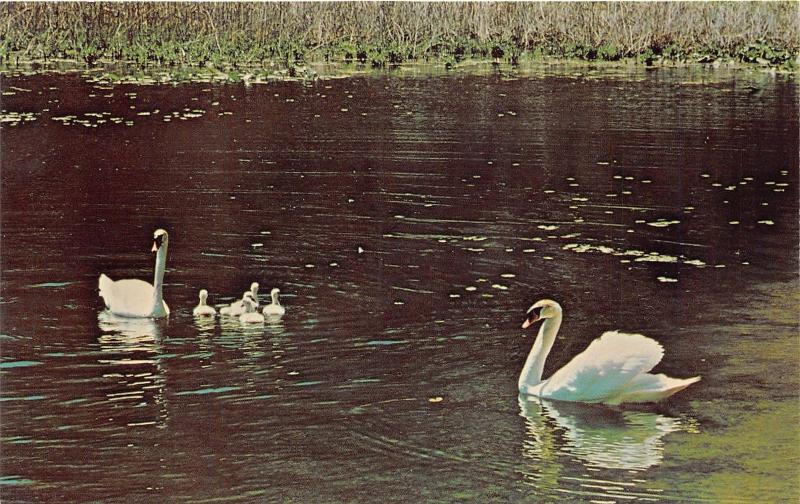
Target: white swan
[
  {"x": 202, "y": 309},
  {"x": 250, "y": 315},
  {"x": 137, "y": 298},
  {"x": 274, "y": 308},
  {"x": 613, "y": 369},
  {"x": 237, "y": 307}
]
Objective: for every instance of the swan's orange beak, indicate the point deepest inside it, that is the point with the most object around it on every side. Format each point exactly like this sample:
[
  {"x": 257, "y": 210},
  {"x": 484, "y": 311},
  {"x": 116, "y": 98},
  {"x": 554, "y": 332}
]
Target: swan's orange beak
[
  {"x": 530, "y": 320},
  {"x": 155, "y": 247}
]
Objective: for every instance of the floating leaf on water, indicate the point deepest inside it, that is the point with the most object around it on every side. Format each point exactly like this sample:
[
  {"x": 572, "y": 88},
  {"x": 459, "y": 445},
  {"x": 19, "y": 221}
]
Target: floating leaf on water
[
  {"x": 663, "y": 223},
  {"x": 667, "y": 279},
  {"x": 695, "y": 262},
  {"x": 435, "y": 399},
  {"x": 766, "y": 222},
  {"x": 656, "y": 257}
]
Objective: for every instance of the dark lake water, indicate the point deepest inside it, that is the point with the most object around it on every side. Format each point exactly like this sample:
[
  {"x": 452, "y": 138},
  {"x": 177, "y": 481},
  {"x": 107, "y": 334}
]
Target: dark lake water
[{"x": 409, "y": 221}]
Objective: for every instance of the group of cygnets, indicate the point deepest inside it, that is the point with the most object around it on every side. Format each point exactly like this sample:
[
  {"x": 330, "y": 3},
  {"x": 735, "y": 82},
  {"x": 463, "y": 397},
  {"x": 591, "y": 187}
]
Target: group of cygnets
[{"x": 246, "y": 309}]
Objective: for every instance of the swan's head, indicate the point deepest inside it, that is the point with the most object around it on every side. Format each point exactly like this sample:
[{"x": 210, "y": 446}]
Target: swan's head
[
  {"x": 203, "y": 294},
  {"x": 160, "y": 238},
  {"x": 254, "y": 288},
  {"x": 542, "y": 309},
  {"x": 249, "y": 304},
  {"x": 274, "y": 292}
]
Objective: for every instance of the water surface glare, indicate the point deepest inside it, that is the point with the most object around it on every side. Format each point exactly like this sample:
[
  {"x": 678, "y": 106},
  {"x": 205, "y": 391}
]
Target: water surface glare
[{"x": 409, "y": 221}]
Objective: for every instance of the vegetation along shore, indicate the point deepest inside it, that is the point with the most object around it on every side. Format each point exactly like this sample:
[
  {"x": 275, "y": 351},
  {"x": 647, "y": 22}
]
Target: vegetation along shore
[{"x": 378, "y": 34}]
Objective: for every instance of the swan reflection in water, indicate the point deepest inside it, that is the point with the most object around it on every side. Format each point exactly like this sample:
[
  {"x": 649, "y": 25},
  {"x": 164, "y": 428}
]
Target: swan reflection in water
[
  {"x": 601, "y": 437},
  {"x": 131, "y": 350},
  {"x": 136, "y": 333}
]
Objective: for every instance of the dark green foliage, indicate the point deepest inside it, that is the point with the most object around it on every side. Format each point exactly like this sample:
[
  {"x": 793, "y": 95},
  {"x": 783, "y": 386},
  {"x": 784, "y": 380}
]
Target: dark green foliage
[
  {"x": 608, "y": 52},
  {"x": 763, "y": 53}
]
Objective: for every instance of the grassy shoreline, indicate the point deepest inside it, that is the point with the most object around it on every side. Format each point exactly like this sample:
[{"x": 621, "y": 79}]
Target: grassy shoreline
[{"x": 285, "y": 38}]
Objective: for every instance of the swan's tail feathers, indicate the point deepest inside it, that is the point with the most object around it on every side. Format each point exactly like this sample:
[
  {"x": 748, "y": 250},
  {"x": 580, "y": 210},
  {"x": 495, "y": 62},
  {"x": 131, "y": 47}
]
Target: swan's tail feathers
[
  {"x": 651, "y": 388},
  {"x": 104, "y": 285}
]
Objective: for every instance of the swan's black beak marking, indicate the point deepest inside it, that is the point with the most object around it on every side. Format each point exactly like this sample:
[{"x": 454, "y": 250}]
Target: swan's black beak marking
[
  {"x": 533, "y": 316},
  {"x": 157, "y": 241}
]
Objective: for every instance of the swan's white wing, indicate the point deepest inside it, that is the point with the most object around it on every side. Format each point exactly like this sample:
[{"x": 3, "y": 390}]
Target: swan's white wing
[
  {"x": 602, "y": 371},
  {"x": 127, "y": 298}
]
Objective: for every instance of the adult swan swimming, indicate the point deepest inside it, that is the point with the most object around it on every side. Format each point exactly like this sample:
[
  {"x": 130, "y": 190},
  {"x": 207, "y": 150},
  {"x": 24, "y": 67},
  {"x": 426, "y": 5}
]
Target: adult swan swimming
[
  {"x": 613, "y": 369},
  {"x": 137, "y": 298}
]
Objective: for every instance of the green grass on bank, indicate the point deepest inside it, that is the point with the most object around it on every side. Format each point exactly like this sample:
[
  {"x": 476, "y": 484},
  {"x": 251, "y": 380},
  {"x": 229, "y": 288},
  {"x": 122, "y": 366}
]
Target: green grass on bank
[{"x": 379, "y": 34}]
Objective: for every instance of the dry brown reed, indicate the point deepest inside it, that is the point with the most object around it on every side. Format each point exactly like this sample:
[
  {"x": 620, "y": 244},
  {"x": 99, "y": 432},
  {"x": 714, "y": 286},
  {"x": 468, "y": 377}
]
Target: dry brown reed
[{"x": 185, "y": 32}]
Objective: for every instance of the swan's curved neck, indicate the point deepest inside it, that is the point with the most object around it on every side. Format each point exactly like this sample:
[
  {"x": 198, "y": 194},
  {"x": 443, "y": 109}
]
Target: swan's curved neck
[
  {"x": 534, "y": 365},
  {"x": 158, "y": 278},
  {"x": 275, "y": 300}
]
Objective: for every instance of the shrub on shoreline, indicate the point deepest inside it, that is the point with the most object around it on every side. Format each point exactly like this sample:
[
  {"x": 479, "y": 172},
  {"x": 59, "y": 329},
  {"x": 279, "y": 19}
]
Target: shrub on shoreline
[{"x": 385, "y": 33}]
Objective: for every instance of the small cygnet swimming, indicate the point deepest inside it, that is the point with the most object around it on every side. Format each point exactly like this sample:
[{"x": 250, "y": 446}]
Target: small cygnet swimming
[{"x": 202, "y": 309}]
